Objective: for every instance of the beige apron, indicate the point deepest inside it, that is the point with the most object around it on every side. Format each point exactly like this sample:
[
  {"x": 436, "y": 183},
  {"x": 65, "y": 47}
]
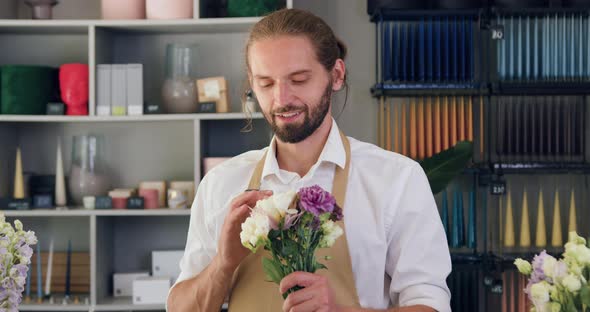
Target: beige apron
[{"x": 250, "y": 290}]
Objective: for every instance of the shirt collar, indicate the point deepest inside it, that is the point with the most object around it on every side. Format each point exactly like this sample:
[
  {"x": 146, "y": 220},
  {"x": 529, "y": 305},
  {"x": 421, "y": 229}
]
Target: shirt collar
[{"x": 333, "y": 152}]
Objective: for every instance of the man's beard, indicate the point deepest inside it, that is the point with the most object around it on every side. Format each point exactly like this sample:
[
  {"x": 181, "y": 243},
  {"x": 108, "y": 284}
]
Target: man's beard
[{"x": 291, "y": 133}]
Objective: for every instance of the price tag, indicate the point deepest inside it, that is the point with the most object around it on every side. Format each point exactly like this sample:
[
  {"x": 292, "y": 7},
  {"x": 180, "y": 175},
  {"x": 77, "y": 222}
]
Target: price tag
[
  {"x": 498, "y": 187},
  {"x": 497, "y": 32}
]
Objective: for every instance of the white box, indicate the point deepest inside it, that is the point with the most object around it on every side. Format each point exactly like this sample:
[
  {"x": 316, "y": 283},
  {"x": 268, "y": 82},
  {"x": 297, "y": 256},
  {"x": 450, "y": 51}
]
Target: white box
[
  {"x": 151, "y": 290},
  {"x": 135, "y": 89},
  {"x": 103, "y": 89},
  {"x": 123, "y": 283},
  {"x": 119, "y": 90},
  {"x": 166, "y": 263}
]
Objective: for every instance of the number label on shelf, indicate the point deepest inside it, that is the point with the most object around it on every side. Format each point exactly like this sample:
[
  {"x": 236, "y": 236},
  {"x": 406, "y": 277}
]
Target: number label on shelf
[
  {"x": 497, "y": 32},
  {"x": 498, "y": 187}
]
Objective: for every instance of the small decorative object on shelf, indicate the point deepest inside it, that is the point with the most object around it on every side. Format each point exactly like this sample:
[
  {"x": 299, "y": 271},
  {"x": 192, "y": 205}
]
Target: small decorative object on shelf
[
  {"x": 135, "y": 202},
  {"x": 89, "y": 202},
  {"x": 103, "y": 202},
  {"x": 19, "y": 186},
  {"x": 15, "y": 260},
  {"x": 177, "y": 199},
  {"x": 559, "y": 284},
  {"x": 214, "y": 90},
  {"x": 88, "y": 173},
  {"x": 179, "y": 92},
  {"x": 42, "y": 9},
  {"x": 128, "y": 9},
  {"x": 166, "y": 9},
  {"x": 17, "y": 83},
  {"x": 160, "y": 186},
  {"x": 56, "y": 108},
  {"x": 73, "y": 83}
]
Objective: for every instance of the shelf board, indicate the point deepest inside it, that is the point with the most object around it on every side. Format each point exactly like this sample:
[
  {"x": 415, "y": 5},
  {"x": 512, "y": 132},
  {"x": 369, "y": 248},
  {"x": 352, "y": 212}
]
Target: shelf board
[
  {"x": 204, "y": 25},
  {"x": 392, "y": 89},
  {"x": 541, "y": 88},
  {"x": 52, "y": 307},
  {"x": 80, "y": 212},
  {"x": 125, "y": 304},
  {"x": 141, "y": 118}
]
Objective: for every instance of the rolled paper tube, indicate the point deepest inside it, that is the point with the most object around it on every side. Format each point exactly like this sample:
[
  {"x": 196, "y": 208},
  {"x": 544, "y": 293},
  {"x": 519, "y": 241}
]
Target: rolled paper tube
[
  {"x": 471, "y": 233},
  {"x": 481, "y": 126},
  {"x": 150, "y": 198},
  {"x": 19, "y": 186},
  {"x": 381, "y": 122},
  {"x": 388, "y": 125},
  {"x": 420, "y": 129},
  {"x": 573, "y": 221},
  {"x": 461, "y": 223},
  {"x": 470, "y": 119},
  {"x": 445, "y": 213},
  {"x": 455, "y": 233},
  {"x": 413, "y": 138},
  {"x": 396, "y": 107},
  {"x": 461, "y": 118},
  {"x": 541, "y": 236},
  {"x": 437, "y": 131},
  {"x": 525, "y": 228},
  {"x": 39, "y": 273},
  {"x": 556, "y": 237},
  {"x": 509, "y": 227},
  {"x": 428, "y": 112},
  {"x": 404, "y": 127},
  {"x": 445, "y": 124},
  {"x": 119, "y": 202},
  {"x": 453, "y": 116}
]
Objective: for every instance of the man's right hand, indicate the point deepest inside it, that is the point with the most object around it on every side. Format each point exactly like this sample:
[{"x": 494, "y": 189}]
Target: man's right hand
[{"x": 231, "y": 252}]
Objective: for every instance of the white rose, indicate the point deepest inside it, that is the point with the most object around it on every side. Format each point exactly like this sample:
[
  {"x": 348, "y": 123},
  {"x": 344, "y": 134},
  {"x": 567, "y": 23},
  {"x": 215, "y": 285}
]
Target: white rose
[
  {"x": 331, "y": 232},
  {"x": 523, "y": 266},
  {"x": 284, "y": 200},
  {"x": 254, "y": 231},
  {"x": 540, "y": 292},
  {"x": 276, "y": 206},
  {"x": 549, "y": 264},
  {"x": 572, "y": 283}
]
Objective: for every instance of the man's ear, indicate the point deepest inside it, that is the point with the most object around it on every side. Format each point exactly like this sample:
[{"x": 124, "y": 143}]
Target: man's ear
[{"x": 338, "y": 75}]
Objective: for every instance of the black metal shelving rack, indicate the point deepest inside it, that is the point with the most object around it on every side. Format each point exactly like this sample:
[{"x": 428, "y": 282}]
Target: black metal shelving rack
[{"x": 487, "y": 265}]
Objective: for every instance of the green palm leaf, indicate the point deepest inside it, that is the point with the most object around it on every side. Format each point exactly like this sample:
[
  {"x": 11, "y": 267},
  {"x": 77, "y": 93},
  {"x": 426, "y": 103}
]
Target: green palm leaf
[{"x": 443, "y": 167}]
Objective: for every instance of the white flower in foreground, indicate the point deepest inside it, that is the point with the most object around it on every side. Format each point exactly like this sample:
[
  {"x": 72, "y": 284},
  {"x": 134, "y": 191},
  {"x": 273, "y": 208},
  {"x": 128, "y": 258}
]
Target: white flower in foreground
[
  {"x": 523, "y": 266},
  {"x": 276, "y": 207},
  {"x": 572, "y": 283},
  {"x": 331, "y": 232},
  {"x": 549, "y": 266},
  {"x": 540, "y": 292},
  {"x": 255, "y": 231}
]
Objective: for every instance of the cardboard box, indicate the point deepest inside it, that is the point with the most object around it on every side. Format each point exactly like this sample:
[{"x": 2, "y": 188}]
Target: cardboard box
[
  {"x": 123, "y": 283},
  {"x": 214, "y": 89},
  {"x": 166, "y": 263},
  {"x": 151, "y": 290}
]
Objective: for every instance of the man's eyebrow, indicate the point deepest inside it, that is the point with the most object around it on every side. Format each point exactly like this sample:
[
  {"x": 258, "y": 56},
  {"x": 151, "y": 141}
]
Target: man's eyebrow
[{"x": 299, "y": 72}]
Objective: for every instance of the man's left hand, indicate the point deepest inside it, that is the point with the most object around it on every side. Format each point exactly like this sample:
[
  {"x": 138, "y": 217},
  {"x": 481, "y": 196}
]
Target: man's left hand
[{"x": 317, "y": 295}]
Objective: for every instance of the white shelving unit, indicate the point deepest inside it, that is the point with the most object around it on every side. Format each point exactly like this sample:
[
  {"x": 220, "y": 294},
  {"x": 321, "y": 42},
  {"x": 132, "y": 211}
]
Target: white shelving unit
[{"x": 139, "y": 148}]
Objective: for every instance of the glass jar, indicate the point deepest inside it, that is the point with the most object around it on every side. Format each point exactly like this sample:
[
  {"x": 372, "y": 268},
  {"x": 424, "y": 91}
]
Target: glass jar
[
  {"x": 179, "y": 92},
  {"x": 88, "y": 173}
]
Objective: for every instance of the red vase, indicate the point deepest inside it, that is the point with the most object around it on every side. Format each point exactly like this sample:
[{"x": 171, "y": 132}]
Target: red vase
[{"x": 73, "y": 85}]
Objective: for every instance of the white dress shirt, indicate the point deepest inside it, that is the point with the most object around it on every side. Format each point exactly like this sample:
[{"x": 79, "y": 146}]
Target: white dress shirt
[{"x": 396, "y": 240}]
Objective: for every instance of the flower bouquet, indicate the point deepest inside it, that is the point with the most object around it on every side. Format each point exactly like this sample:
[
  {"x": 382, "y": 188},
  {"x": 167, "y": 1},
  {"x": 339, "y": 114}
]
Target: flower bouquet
[
  {"x": 559, "y": 284},
  {"x": 15, "y": 256},
  {"x": 291, "y": 226}
]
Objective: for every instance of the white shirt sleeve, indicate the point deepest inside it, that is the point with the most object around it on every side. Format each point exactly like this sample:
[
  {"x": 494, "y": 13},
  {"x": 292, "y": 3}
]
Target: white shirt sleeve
[
  {"x": 201, "y": 242},
  {"x": 418, "y": 259}
]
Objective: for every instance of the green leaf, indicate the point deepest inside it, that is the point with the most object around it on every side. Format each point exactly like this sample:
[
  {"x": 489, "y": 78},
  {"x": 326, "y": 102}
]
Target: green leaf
[
  {"x": 273, "y": 270},
  {"x": 290, "y": 248},
  {"x": 319, "y": 266},
  {"x": 443, "y": 167},
  {"x": 585, "y": 295}
]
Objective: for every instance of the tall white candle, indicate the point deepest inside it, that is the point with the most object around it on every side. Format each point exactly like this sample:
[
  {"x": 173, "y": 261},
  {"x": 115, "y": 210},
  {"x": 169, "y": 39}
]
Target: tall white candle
[{"x": 49, "y": 267}]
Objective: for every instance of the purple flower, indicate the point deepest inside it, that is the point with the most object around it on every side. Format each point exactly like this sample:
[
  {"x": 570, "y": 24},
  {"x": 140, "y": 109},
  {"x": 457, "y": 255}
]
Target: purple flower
[
  {"x": 291, "y": 220},
  {"x": 336, "y": 213},
  {"x": 538, "y": 274},
  {"x": 316, "y": 201}
]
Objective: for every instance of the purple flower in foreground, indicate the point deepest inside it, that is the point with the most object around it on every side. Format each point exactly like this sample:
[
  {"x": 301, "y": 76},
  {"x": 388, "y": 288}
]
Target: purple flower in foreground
[
  {"x": 538, "y": 274},
  {"x": 336, "y": 213},
  {"x": 316, "y": 200}
]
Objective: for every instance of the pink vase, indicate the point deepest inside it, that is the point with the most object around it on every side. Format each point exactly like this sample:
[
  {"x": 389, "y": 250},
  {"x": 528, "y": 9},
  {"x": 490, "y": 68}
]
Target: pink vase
[
  {"x": 118, "y": 9},
  {"x": 166, "y": 9}
]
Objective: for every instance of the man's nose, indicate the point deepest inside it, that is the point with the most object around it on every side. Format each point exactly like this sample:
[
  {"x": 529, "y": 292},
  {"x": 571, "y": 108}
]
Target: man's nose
[{"x": 282, "y": 93}]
